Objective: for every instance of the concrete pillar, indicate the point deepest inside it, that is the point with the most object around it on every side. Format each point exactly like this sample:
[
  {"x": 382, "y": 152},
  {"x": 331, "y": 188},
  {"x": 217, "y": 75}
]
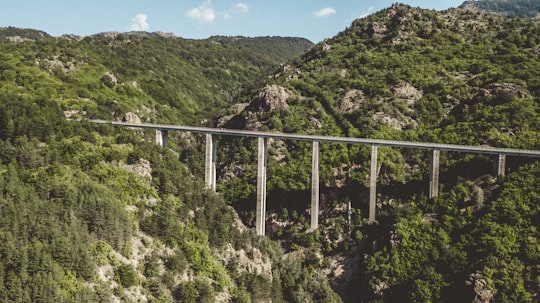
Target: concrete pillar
[
  {"x": 500, "y": 165},
  {"x": 315, "y": 186},
  {"x": 162, "y": 138},
  {"x": 210, "y": 162},
  {"x": 434, "y": 174},
  {"x": 373, "y": 184},
  {"x": 260, "y": 212}
]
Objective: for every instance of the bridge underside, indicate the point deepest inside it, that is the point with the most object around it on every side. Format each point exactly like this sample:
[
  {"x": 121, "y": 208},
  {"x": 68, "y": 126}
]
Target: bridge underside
[{"x": 162, "y": 139}]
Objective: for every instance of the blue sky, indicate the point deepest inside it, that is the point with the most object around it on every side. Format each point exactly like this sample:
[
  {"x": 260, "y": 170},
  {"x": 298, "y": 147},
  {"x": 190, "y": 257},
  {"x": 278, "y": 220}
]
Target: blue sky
[{"x": 311, "y": 19}]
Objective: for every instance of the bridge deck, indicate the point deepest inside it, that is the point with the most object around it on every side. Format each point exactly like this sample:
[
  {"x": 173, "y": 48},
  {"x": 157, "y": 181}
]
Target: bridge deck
[{"x": 331, "y": 139}]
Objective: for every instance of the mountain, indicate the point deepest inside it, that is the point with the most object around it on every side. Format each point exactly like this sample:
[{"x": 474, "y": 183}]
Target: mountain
[
  {"x": 92, "y": 213},
  {"x": 510, "y": 8},
  {"x": 159, "y": 77},
  {"x": 455, "y": 76}
]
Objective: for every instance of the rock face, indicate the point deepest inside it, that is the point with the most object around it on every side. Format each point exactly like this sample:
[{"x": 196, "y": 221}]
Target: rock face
[
  {"x": 131, "y": 118},
  {"x": 248, "y": 261},
  {"x": 479, "y": 286},
  {"x": 273, "y": 97},
  {"x": 351, "y": 101},
  {"x": 399, "y": 124},
  {"x": 141, "y": 167},
  {"x": 407, "y": 92}
]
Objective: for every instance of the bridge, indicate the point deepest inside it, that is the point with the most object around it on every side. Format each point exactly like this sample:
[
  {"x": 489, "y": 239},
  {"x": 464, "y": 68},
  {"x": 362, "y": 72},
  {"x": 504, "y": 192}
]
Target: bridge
[{"x": 162, "y": 138}]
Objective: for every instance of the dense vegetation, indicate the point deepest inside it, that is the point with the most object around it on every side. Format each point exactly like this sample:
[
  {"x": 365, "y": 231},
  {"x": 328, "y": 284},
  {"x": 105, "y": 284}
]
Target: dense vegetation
[
  {"x": 95, "y": 214},
  {"x": 458, "y": 76}
]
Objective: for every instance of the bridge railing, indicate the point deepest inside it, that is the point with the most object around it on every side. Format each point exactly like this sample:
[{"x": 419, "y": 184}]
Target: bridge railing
[{"x": 211, "y": 152}]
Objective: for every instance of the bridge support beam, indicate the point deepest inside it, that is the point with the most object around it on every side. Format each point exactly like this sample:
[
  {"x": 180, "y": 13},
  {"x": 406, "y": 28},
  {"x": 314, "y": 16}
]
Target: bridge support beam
[
  {"x": 500, "y": 165},
  {"x": 373, "y": 184},
  {"x": 315, "y": 186},
  {"x": 260, "y": 211},
  {"x": 210, "y": 162},
  {"x": 434, "y": 174},
  {"x": 162, "y": 138}
]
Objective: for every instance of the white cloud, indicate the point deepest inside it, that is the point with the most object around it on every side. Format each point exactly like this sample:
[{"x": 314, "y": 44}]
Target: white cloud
[
  {"x": 139, "y": 23},
  {"x": 325, "y": 12},
  {"x": 241, "y": 8},
  {"x": 204, "y": 13}
]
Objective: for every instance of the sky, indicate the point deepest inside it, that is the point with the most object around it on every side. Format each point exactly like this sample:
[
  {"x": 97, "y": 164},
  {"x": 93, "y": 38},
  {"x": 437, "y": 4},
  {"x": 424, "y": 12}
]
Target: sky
[{"x": 198, "y": 19}]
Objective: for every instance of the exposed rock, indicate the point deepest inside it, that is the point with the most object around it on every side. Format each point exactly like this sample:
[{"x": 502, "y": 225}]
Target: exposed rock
[
  {"x": 131, "y": 117},
  {"x": 376, "y": 30},
  {"x": 54, "y": 64},
  {"x": 142, "y": 168},
  {"x": 479, "y": 287},
  {"x": 316, "y": 122},
  {"x": 232, "y": 170},
  {"x": 18, "y": 39},
  {"x": 252, "y": 262},
  {"x": 505, "y": 91},
  {"x": 395, "y": 123},
  {"x": 273, "y": 97},
  {"x": 351, "y": 101},
  {"x": 70, "y": 114},
  {"x": 326, "y": 47},
  {"x": 407, "y": 92},
  {"x": 165, "y": 35}
]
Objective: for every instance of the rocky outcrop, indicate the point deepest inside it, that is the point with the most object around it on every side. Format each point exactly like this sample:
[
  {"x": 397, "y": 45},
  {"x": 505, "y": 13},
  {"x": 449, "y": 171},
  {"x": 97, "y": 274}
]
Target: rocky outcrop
[
  {"x": 141, "y": 167},
  {"x": 251, "y": 261},
  {"x": 351, "y": 101},
  {"x": 479, "y": 286},
  {"x": 272, "y": 97},
  {"x": 131, "y": 117},
  {"x": 405, "y": 91},
  {"x": 399, "y": 124}
]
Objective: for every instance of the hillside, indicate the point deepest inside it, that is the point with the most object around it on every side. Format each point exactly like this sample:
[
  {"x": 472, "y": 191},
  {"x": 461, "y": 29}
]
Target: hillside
[
  {"x": 163, "y": 78},
  {"x": 92, "y": 213},
  {"x": 456, "y": 76},
  {"x": 95, "y": 214}
]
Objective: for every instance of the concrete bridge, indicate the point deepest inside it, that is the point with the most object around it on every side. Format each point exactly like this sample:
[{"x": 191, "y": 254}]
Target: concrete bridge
[{"x": 162, "y": 139}]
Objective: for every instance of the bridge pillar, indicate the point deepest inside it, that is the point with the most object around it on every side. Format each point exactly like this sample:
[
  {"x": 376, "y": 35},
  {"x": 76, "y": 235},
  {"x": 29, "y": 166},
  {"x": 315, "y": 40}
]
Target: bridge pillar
[
  {"x": 210, "y": 162},
  {"x": 500, "y": 165},
  {"x": 260, "y": 212},
  {"x": 315, "y": 186},
  {"x": 162, "y": 138},
  {"x": 373, "y": 184},
  {"x": 434, "y": 174}
]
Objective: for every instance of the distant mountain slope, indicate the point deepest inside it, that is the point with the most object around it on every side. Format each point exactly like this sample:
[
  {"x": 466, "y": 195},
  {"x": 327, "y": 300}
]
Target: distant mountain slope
[
  {"x": 14, "y": 34},
  {"x": 511, "y": 8},
  {"x": 160, "y": 77}
]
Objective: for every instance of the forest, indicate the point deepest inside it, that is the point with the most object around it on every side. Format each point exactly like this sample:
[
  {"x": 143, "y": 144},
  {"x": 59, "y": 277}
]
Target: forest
[{"x": 93, "y": 213}]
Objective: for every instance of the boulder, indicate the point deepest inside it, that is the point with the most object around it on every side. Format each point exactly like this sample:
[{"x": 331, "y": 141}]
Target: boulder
[
  {"x": 479, "y": 286},
  {"x": 273, "y": 97},
  {"x": 131, "y": 117}
]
